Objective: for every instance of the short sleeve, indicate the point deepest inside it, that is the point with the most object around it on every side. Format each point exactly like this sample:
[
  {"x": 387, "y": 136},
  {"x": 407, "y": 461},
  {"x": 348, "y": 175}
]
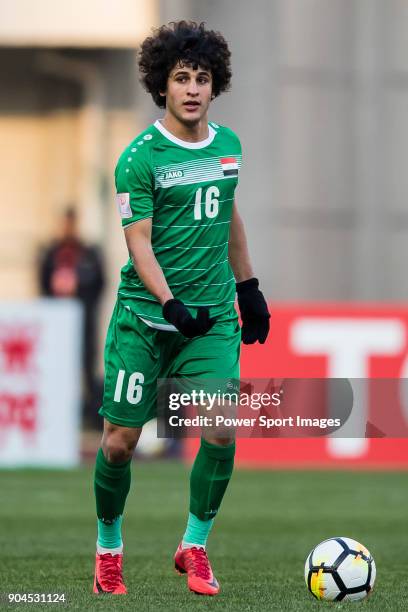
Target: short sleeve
[
  {"x": 239, "y": 154},
  {"x": 134, "y": 189},
  {"x": 239, "y": 159}
]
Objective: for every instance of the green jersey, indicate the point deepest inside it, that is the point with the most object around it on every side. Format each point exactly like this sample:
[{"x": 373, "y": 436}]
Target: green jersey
[{"x": 187, "y": 188}]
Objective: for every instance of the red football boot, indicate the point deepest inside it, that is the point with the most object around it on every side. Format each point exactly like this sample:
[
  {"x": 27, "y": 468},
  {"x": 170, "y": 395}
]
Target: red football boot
[
  {"x": 108, "y": 574},
  {"x": 194, "y": 562}
]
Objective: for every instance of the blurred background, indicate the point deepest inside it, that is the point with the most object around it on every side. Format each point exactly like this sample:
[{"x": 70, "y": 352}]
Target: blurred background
[{"x": 319, "y": 100}]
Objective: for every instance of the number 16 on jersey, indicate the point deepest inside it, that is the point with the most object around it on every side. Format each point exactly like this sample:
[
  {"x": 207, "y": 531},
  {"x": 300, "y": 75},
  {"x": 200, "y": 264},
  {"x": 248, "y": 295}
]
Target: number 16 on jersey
[{"x": 211, "y": 203}]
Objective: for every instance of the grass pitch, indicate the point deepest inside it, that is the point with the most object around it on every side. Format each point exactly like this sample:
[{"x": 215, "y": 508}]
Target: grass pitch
[{"x": 268, "y": 523}]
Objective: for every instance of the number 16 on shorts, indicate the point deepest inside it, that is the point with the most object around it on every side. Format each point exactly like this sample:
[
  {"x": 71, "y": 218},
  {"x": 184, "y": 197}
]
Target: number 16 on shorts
[{"x": 134, "y": 388}]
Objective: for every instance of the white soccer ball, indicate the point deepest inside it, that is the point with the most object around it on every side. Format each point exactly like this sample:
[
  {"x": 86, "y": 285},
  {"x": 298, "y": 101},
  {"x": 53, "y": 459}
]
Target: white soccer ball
[{"x": 340, "y": 569}]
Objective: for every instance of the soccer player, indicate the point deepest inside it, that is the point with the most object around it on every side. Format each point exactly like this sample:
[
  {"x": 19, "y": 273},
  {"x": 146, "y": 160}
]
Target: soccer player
[{"x": 175, "y": 315}]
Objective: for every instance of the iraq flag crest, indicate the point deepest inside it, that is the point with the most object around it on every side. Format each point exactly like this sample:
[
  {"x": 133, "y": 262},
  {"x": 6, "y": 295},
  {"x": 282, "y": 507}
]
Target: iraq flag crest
[{"x": 229, "y": 166}]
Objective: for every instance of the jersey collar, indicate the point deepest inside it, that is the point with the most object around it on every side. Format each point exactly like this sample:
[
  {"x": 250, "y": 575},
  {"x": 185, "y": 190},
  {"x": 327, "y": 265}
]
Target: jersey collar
[{"x": 184, "y": 143}]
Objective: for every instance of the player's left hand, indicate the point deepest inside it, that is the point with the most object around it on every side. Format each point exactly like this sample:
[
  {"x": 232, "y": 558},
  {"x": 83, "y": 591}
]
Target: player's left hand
[{"x": 254, "y": 312}]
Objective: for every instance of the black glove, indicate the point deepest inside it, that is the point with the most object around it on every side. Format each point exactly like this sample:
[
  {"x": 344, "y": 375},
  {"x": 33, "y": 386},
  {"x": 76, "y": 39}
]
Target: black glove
[
  {"x": 175, "y": 312},
  {"x": 254, "y": 312}
]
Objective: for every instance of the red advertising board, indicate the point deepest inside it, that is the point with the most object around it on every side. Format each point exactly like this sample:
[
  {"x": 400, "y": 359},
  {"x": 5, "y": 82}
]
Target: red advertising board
[{"x": 336, "y": 341}]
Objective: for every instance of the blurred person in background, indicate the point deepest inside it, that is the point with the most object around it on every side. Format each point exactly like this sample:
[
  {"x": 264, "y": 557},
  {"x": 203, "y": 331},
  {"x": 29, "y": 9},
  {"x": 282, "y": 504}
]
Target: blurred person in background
[
  {"x": 175, "y": 312},
  {"x": 69, "y": 268}
]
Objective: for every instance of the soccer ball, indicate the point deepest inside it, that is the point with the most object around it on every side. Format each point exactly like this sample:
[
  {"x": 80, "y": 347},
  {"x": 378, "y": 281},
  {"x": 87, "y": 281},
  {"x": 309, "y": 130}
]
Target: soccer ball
[{"x": 340, "y": 569}]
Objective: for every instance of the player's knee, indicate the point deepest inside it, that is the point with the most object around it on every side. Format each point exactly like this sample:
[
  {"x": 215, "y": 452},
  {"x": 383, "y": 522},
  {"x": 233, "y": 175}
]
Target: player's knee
[
  {"x": 118, "y": 443},
  {"x": 117, "y": 450},
  {"x": 117, "y": 454}
]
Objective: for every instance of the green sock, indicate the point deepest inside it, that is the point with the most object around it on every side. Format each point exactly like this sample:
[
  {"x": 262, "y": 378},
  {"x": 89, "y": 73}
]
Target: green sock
[
  {"x": 110, "y": 534},
  {"x": 197, "y": 531},
  {"x": 112, "y": 484},
  {"x": 209, "y": 479}
]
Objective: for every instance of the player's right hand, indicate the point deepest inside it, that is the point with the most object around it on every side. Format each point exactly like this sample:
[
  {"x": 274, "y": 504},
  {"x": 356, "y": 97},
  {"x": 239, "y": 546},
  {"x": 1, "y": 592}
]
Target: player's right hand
[{"x": 175, "y": 312}]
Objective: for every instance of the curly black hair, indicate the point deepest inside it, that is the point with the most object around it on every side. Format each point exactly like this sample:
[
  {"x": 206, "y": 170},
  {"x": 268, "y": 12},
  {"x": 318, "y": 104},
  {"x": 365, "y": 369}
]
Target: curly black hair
[{"x": 190, "y": 44}]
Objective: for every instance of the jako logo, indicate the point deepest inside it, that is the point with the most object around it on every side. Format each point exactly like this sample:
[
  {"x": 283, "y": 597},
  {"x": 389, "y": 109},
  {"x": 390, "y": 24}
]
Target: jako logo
[{"x": 173, "y": 174}]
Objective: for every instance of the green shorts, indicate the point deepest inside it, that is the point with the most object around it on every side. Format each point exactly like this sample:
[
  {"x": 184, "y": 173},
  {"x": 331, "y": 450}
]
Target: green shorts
[{"x": 137, "y": 355}]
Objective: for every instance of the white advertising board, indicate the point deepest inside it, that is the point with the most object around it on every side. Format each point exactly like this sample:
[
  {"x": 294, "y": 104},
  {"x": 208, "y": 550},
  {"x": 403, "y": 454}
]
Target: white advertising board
[{"x": 40, "y": 383}]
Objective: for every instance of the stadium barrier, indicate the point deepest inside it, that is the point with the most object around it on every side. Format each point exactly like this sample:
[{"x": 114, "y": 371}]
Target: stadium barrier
[{"x": 40, "y": 370}]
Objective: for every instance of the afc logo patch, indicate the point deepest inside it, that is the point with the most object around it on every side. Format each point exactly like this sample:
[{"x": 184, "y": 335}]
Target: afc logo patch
[{"x": 123, "y": 203}]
